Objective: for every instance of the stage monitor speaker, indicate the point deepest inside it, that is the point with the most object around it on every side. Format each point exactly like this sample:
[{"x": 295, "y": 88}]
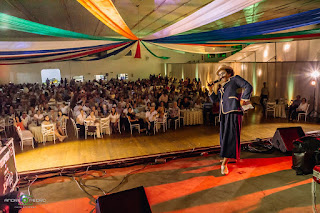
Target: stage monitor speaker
[
  {"x": 284, "y": 137},
  {"x": 132, "y": 200}
]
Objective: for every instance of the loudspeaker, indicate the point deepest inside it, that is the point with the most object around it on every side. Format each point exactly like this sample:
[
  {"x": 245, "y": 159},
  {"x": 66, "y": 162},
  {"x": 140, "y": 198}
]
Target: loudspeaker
[
  {"x": 132, "y": 200},
  {"x": 283, "y": 138}
]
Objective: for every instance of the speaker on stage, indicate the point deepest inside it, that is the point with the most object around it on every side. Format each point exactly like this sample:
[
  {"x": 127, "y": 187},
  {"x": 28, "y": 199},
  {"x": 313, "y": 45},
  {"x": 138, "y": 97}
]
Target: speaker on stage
[
  {"x": 284, "y": 137},
  {"x": 132, "y": 200}
]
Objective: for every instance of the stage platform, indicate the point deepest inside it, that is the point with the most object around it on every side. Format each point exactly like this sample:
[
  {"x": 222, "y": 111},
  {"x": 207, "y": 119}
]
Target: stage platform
[{"x": 120, "y": 147}]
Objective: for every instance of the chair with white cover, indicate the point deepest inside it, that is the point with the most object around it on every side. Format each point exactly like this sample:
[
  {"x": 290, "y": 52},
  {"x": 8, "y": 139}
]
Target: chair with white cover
[
  {"x": 9, "y": 123},
  {"x": 64, "y": 126},
  {"x": 181, "y": 118},
  {"x": 271, "y": 107},
  {"x": 3, "y": 126},
  {"x": 105, "y": 126},
  {"x": 304, "y": 114},
  {"x": 86, "y": 130},
  {"x": 25, "y": 137},
  {"x": 137, "y": 126},
  {"x": 48, "y": 130},
  {"x": 76, "y": 129},
  {"x": 162, "y": 123},
  {"x": 176, "y": 122}
]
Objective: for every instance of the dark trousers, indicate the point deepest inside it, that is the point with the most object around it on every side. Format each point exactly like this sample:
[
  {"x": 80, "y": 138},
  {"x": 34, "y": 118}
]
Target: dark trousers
[
  {"x": 262, "y": 97},
  {"x": 81, "y": 132},
  {"x": 140, "y": 122},
  {"x": 294, "y": 114},
  {"x": 292, "y": 109},
  {"x": 230, "y": 128},
  {"x": 151, "y": 127}
]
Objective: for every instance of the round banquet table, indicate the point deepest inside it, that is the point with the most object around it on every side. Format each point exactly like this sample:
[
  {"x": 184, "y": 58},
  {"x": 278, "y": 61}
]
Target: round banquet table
[
  {"x": 36, "y": 131},
  {"x": 192, "y": 117},
  {"x": 280, "y": 110},
  {"x": 141, "y": 115}
]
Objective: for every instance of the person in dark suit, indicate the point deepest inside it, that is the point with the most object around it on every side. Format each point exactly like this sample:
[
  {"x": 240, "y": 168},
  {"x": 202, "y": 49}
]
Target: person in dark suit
[{"x": 230, "y": 112}]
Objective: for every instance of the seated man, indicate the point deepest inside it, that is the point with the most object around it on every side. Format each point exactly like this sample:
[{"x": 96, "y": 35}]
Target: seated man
[
  {"x": 174, "y": 112},
  {"x": 301, "y": 109},
  {"x": 186, "y": 103},
  {"x": 151, "y": 118},
  {"x": 294, "y": 105}
]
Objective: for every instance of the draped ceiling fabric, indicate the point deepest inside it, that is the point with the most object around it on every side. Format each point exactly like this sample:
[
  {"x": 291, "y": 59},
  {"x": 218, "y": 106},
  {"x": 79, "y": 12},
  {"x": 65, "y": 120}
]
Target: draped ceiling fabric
[
  {"x": 197, "y": 48},
  {"x": 106, "y": 12},
  {"x": 304, "y": 50},
  {"x": 6, "y": 58},
  {"x": 18, "y": 24},
  {"x": 213, "y": 11},
  {"x": 288, "y": 22}
]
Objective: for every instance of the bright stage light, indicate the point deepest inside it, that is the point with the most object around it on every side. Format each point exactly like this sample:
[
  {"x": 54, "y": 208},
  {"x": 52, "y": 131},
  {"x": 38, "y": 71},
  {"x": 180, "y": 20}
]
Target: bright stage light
[
  {"x": 259, "y": 72},
  {"x": 286, "y": 47},
  {"x": 315, "y": 74},
  {"x": 313, "y": 83}
]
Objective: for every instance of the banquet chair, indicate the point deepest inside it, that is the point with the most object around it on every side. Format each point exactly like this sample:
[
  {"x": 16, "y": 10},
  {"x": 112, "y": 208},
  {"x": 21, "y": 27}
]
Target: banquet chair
[
  {"x": 25, "y": 136},
  {"x": 9, "y": 123},
  {"x": 176, "y": 122},
  {"x": 105, "y": 126},
  {"x": 271, "y": 107},
  {"x": 64, "y": 126},
  {"x": 3, "y": 126},
  {"x": 48, "y": 130},
  {"x": 154, "y": 127},
  {"x": 86, "y": 130},
  {"x": 76, "y": 129},
  {"x": 163, "y": 123},
  {"x": 304, "y": 114},
  {"x": 181, "y": 118},
  {"x": 137, "y": 126}
]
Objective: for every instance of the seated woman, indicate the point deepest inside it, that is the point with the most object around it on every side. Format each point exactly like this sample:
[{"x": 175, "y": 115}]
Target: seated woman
[
  {"x": 160, "y": 111},
  {"x": 133, "y": 120},
  {"x": 114, "y": 119},
  {"x": 302, "y": 108},
  {"x": 148, "y": 107},
  {"x": 198, "y": 105},
  {"x": 18, "y": 123},
  {"x": 61, "y": 119},
  {"x": 47, "y": 122},
  {"x": 38, "y": 118},
  {"x": 92, "y": 122}
]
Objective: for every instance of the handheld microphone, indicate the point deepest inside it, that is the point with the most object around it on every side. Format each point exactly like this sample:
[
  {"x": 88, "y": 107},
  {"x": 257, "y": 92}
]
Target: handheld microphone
[{"x": 216, "y": 81}]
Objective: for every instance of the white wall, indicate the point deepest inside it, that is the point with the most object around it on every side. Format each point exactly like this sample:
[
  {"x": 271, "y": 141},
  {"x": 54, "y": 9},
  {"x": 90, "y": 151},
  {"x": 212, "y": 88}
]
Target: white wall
[{"x": 136, "y": 68}]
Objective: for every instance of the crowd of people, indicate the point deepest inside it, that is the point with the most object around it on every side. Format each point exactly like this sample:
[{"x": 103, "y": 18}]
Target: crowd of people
[{"x": 119, "y": 100}]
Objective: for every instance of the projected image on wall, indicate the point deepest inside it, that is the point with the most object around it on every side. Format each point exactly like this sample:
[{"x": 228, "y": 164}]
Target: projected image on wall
[{"x": 53, "y": 75}]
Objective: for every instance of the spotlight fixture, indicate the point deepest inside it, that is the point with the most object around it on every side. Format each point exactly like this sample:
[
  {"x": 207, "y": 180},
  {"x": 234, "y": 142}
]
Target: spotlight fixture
[{"x": 315, "y": 74}]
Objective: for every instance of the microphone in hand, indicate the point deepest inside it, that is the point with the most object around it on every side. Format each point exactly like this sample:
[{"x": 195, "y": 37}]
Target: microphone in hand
[{"x": 211, "y": 84}]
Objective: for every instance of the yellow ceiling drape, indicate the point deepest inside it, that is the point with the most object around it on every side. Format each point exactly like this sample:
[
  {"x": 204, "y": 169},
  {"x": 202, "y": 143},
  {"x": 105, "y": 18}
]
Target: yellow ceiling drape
[{"x": 107, "y": 13}]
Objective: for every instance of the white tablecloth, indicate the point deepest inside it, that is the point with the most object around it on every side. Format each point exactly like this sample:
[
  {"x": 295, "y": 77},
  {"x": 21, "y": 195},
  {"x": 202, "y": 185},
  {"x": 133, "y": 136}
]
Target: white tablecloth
[
  {"x": 36, "y": 131},
  {"x": 280, "y": 111},
  {"x": 192, "y": 117},
  {"x": 141, "y": 115}
]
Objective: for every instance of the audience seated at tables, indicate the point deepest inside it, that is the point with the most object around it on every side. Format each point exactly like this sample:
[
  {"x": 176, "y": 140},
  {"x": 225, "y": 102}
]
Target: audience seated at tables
[
  {"x": 101, "y": 97},
  {"x": 301, "y": 109}
]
